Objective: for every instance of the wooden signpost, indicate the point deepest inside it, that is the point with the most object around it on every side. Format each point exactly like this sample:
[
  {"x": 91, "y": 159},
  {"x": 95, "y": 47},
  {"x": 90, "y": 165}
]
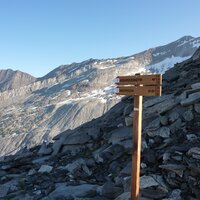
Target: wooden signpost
[{"x": 138, "y": 86}]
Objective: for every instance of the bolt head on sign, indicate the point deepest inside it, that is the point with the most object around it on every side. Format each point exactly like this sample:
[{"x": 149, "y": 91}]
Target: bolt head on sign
[{"x": 141, "y": 85}]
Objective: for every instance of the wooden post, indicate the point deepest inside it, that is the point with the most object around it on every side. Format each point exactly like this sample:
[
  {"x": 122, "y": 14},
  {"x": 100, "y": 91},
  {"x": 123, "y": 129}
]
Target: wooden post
[
  {"x": 137, "y": 135},
  {"x": 138, "y": 86}
]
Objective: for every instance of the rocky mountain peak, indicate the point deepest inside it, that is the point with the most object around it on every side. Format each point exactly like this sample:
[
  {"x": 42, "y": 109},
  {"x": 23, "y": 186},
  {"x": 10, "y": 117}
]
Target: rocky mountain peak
[
  {"x": 186, "y": 38},
  {"x": 10, "y": 79},
  {"x": 32, "y": 111}
]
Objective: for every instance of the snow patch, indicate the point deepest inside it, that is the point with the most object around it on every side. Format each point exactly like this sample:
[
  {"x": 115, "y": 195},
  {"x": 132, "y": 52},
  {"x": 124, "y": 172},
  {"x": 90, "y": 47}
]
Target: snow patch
[
  {"x": 131, "y": 58},
  {"x": 106, "y": 67},
  {"x": 103, "y": 100},
  {"x": 166, "y": 64},
  {"x": 69, "y": 101},
  {"x": 68, "y": 92},
  {"x": 160, "y": 53},
  {"x": 184, "y": 42},
  {"x": 196, "y": 43},
  {"x": 34, "y": 108}
]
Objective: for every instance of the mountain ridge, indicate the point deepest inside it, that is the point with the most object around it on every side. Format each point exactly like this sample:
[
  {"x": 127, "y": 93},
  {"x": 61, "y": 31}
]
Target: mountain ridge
[
  {"x": 71, "y": 95},
  {"x": 184, "y": 39}
]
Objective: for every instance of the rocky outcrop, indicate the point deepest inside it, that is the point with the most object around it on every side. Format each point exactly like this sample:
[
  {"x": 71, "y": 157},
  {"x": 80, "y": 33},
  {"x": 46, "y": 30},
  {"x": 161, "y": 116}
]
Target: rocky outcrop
[{"x": 93, "y": 161}]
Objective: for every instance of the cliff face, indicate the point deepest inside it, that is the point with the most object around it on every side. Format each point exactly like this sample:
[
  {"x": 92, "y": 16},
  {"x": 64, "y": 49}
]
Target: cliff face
[{"x": 93, "y": 161}]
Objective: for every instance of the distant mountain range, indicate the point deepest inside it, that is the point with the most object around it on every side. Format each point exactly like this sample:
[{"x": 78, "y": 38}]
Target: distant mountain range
[{"x": 37, "y": 109}]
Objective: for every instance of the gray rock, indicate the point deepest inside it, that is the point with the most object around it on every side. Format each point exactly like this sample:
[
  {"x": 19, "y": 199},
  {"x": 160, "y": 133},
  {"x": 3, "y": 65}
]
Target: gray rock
[
  {"x": 127, "y": 110},
  {"x": 194, "y": 152},
  {"x": 124, "y": 196},
  {"x": 143, "y": 165},
  {"x": 2, "y": 173},
  {"x": 31, "y": 172},
  {"x": 94, "y": 132},
  {"x": 154, "y": 193},
  {"x": 72, "y": 149},
  {"x": 188, "y": 116},
  {"x": 79, "y": 164},
  {"x": 192, "y": 99},
  {"x": 160, "y": 180},
  {"x": 45, "y": 169},
  {"x": 98, "y": 154},
  {"x": 44, "y": 149},
  {"x": 178, "y": 169},
  {"x": 57, "y": 146},
  {"x": 108, "y": 154},
  {"x": 109, "y": 190},
  {"x": 163, "y": 132},
  {"x": 128, "y": 121},
  {"x": 197, "y": 107},
  {"x": 175, "y": 195},
  {"x": 154, "y": 125},
  {"x": 92, "y": 198},
  {"x": 166, "y": 157},
  {"x": 120, "y": 134},
  {"x": 41, "y": 160},
  {"x": 127, "y": 144},
  {"x": 85, "y": 190},
  {"x": 173, "y": 117},
  {"x": 195, "y": 86},
  {"x": 157, "y": 100},
  {"x": 191, "y": 137},
  {"x": 77, "y": 138},
  {"x": 144, "y": 145},
  {"x": 10, "y": 186},
  {"x": 126, "y": 171},
  {"x": 162, "y": 107},
  {"x": 4, "y": 189},
  {"x": 176, "y": 126},
  {"x": 147, "y": 181},
  {"x": 112, "y": 152},
  {"x": 131, "y": 114},
  {"x": 164, "y": 120},
  {"x": 127, "y": 184},
  {"x": 6, "y": 167}
]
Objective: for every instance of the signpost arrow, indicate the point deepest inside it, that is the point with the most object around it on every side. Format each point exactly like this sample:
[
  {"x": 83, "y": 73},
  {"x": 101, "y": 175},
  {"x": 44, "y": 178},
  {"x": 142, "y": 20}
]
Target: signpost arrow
[
  {"x": 140, "y": 90},
  {"x": 138, "y": 86},
  {"x": 155, "y": 79}
]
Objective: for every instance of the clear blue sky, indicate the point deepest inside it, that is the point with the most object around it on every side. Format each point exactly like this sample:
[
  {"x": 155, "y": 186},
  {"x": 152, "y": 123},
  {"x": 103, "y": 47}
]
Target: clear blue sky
[{"x": 37, "y": 36}]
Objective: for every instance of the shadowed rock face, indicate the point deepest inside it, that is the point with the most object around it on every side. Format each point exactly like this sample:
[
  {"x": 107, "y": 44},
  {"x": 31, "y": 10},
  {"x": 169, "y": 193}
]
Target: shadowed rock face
[
  {"x": 70, "y": 95},
  {"x": 183, "y": 74},
  {"x": 93, "y": 161}
]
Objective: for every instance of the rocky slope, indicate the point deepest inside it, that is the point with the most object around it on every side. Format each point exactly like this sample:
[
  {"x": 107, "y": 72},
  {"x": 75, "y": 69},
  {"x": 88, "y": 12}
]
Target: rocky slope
[
  {"x": 93, "y": 161},
  {"x": 73, "y": 94},
  {"x": 10, "y": 79}
]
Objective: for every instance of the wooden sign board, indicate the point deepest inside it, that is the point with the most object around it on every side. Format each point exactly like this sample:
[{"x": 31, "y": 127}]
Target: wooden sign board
[
  {"x": 138, "y": 86},
  {"x": 155, "y": 79},
  {"x": 140, "y": 90}
]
